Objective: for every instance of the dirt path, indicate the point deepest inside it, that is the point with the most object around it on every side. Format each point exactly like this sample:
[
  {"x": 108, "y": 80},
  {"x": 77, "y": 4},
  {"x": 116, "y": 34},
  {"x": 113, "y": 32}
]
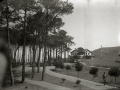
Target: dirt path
[
  {"x": 87, "y": 83},
  {"x": 43, "y": 84}
]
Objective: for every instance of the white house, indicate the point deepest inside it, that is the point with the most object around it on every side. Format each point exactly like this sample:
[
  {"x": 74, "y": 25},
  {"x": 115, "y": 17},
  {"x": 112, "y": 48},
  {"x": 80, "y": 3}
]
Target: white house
[
  {"x": 87, "y": 54},
  {"x": 74, "y": 52}
]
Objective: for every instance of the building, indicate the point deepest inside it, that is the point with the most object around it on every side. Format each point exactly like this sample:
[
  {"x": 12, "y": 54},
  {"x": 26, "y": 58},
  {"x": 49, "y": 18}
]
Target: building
[
  {"x": 88, "y": 54},
  {"x": 82, "y": 53},
  {"x": 74, "y": 52}
]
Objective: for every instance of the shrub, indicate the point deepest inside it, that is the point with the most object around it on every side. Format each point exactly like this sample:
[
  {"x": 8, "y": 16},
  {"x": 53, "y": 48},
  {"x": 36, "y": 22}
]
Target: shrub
[
  {"x": 115, "y": 72},
  {"x": 94, "y": 71},
  {"x": 78, "y": 67},
  {"x": 78, "y": 82},
  {"x": 61, "y": 66},
  {"x": 68, "y": 68},
  {"x": 63, "y": 79},
  {"x": 56, "y": 64}
]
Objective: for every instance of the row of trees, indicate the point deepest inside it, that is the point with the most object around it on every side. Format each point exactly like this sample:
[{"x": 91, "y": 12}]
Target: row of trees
[
  {"x": 114, "y": 71},
  {"x": 35, "y": 23},
  {"x": 60, "y": 65}
]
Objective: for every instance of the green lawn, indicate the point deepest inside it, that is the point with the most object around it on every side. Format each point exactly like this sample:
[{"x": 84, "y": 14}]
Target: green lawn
[
  {"x": 57, "y": 81},
  {"x": 84, "y": 74}
]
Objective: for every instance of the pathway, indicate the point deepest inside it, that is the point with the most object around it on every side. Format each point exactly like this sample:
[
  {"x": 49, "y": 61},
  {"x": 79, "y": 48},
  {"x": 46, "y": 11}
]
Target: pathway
[
  {"x": 87, "y": 83},
  {"x": 49, "y": 86},
  {"x": 43, "y": 84}
]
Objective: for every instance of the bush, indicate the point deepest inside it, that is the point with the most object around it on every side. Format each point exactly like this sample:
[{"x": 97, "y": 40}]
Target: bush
[
  {"x": 52, "y": 69},
  {"x": 63, "y": 79},
  {"x": 115, "y": 72},
  {"x": 78, "y": 82},
  {"x": 78, "y": 67},
  {"x": 68, "y": 68},
  {"x": 56, "y": 64},
  {"x": 61, "y": 66},
  {"x": 94, "y": 71}
]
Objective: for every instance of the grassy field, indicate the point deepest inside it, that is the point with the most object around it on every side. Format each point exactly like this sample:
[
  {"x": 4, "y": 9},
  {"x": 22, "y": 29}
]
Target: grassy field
[
  {"x": 101, "y": 63},
  {"x": 110, "y": 57},
  {"x": 57, "y": 81},
  {"x": 18, "y": 85},
  {"x": 84, "y": 74},
  {"x": 24, "y": 86}
]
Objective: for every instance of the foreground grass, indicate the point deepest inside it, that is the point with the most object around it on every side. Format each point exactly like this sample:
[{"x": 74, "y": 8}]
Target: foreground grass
[
  {"x": 84, "y": 74},
  {"x": 24, "y": 86},
  {"x": 57, "y": 81},
  {"x": 18, "y": 85}
]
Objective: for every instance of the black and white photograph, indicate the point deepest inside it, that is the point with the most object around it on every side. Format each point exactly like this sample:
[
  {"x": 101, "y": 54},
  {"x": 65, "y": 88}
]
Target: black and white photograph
[{"x": 59, "y": 44}]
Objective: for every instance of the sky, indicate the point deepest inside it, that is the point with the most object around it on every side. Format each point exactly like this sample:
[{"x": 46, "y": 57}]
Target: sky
[{"x": 94, "y": 23}]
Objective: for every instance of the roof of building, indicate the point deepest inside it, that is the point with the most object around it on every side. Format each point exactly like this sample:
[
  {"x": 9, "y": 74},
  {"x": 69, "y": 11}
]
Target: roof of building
[
  {"x": 74, "y": 50},
  {"x": 84, "y": 50},
  {"x": 88, "y": 50}
]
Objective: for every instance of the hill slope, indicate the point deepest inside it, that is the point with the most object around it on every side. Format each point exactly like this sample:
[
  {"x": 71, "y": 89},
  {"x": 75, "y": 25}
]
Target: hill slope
[
  {"x": 109, "y": 57},
  {"x": 107, "y": 53}
]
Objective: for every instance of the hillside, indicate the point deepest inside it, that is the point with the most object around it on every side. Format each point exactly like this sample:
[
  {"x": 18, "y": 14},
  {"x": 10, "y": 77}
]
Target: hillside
[
  {"x": 109, "y": 57},
  {"x": 107, "y": 53}
]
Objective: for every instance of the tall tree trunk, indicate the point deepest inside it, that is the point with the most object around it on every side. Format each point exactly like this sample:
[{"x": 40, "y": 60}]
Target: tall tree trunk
[
  {"x": 15, "y": 53},
  {"x": 65, "y": 55},
  {"x": 61, "y": 52},
  {"x": 78, "y": 74},
  {"x": 115, "y": 80},
  {"x": 53, "y": 53},
  {"x": 18, "y": 56},
  {"x": 42, "y": 55},
  {"x": 44, "y": 63},
  {"x": 33, "y": 63},
  {"x": 15, "y": 57},
  {"x": 30, "y": 57},
  {"x": 93, "y": 77},
  {"x": 39, "y": 57},
  {"x": 8, "y": 35},
  {"x": 50, "y": 55},
  {"x": 23, "y": 62},
  {"x": 56, "y": 54},
  {"x": 45, "y": 47}
]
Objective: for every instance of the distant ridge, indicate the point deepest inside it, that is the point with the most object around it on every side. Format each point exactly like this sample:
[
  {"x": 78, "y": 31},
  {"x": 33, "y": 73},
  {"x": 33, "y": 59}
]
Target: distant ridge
[{"x": 110, "y": 53}]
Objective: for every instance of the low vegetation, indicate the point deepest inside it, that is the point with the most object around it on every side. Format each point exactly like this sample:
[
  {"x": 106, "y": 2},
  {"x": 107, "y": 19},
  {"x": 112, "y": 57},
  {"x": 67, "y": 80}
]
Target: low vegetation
[
  {"x": 94, "y": 72},
  {"x": 24, "y": 86},
  {"x": 63, "y": 79},
  {"x": 86, "y": 73},
  {"x": 78, "y": 82},
  {"x": 78, "y": 67},
  {"x": 68, "y": 67},
  {"x": 57, "y": 81},
  {"x": 114, "y": 72}
]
